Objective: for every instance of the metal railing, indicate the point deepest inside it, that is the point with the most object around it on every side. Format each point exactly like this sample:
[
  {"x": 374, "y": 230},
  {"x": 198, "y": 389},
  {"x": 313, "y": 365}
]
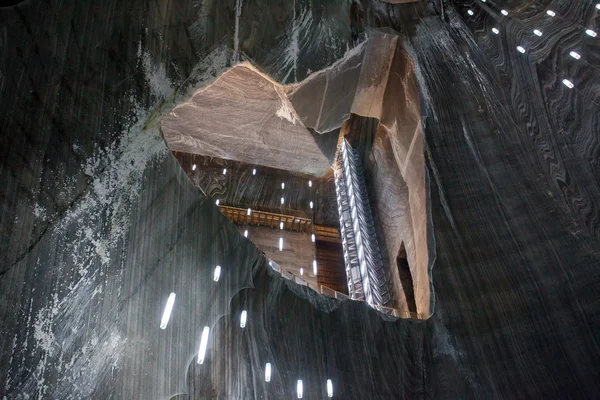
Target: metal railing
[{"x": 322, "y": 289}]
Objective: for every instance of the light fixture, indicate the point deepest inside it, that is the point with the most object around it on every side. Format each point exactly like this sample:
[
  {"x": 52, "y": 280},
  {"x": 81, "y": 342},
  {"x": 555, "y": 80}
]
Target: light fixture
[
  {"x": 217, "y": 273},
  {"x": 598, "y": 6},
  {"x": 246, "y": 233},
  {"x": 282, "y": 200},
  {"x": 283, "y": 185},
  {"x": 268, "y": 372},
  {"x": 551, "y": 13},
  {"x": 301, "y": 271},
  {"x": 253, "y": 171},
  {"x": 311, "y": 204},
  {"x": 483, "y": 1},
  {"x": 217, "y": 202},
  {"x": 312, "y": 237},
  {"x": 470, "y": 12},
  {"x": 167, "y": 313},
  {"x": 329, "y": 383},
  {"x": 243, "y": 318},
  {"x": 537, "y": 32},
  {"x": 309, "y": 183},
  {"x": 495, "y": 30},
  {"x": 591, "y": 33},
  {"x": 194, "y": 167},
  {"x": 315, "y": 267},
  {"x": 203, "y": 344},
  {"x": 568, "y": 83},
  {"x": 504, "y": 12},
  {"x": 281, "y": 225},
  {"x": 521, "y": 49},
  {"x": 575, "y": 55},
  {"x": 249, "y": 212},
  {"x": 299, "y": 388},
  {"x": 224, "y": 171},
  {"x": 280, "y": 244}
]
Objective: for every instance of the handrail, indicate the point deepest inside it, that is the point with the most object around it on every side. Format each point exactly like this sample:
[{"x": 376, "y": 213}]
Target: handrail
[{"x": 322, "y": 289}]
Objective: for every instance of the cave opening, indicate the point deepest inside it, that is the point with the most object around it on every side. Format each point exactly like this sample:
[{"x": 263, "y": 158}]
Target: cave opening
[
  {"x": 406, "y": 278},
  {"x": 326, "y": 177}
]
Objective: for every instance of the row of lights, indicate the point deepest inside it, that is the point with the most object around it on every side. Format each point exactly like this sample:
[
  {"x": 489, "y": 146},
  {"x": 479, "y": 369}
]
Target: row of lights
[
  {"x": 537, "y": 32},
  {"x": 206, "y": 331}
]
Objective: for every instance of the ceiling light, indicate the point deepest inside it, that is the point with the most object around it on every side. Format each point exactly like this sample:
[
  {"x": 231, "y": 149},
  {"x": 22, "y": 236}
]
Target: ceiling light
[
  {"x": 521, "y": 49},
  {"x": 194, "y": 167},
  {"x": 568, "y": 83},
  {"x": 243, "y": 319},
  {"x": 551, "y": 13},
  {"x": 470, "y": 12},
  {"x": 217, "y": 273},
  {"x": 299, "y": 388},
  {"x": 590, "y": 33},
  {"x": 217, "y": 202},
  {"x": 268, "y": 372},
  {"x": 167, "y": 313},
  {"x": 504, "y": 12},
  {"x": 537, "y": 32},
  {"x": 254, "y": 171},
  {"x": 246, "y": 233},
  {"x": 203, "y": 343},
  {"x": 575, "y": 55},
  {"x": 312, "y": 237},
  {"x": 280, "y": 244},
  {"x": 329, "y": 383},
  {"x": 496, "y": 31}
]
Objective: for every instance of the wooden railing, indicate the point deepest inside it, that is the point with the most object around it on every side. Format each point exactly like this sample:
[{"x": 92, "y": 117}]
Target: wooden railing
[
  {"x": 341, "y": 296},
  {"x": 240, "y": 216}
]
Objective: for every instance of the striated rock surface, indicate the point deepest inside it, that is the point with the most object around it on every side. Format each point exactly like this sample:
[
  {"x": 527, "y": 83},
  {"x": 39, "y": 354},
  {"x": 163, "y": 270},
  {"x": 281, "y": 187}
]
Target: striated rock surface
[{"x": 99, "y": 224}]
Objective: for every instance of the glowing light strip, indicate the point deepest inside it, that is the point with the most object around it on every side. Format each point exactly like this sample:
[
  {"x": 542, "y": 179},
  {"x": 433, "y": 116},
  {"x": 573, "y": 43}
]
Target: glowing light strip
[
  {"x": 330, "y": 384},
  {"x": 243, "y": 319},
  {"x": 167, "y": 313},
  {"x": 217, "y": 273},
  {"x": 203, "y": 344},
  {"x": 268, "y": 372},
  {"x": 299, "y": 388}
]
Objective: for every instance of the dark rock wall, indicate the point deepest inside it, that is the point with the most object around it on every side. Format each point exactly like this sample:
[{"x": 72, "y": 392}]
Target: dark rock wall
[{"x": 99, "y": 223}]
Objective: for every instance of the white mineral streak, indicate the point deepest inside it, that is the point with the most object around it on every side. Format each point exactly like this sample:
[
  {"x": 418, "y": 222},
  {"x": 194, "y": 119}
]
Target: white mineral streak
[{"x": 91, "y": 231}]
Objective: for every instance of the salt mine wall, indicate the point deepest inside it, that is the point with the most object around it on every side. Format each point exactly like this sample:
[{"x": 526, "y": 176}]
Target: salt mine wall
[{"x": 99, "y": 222}]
